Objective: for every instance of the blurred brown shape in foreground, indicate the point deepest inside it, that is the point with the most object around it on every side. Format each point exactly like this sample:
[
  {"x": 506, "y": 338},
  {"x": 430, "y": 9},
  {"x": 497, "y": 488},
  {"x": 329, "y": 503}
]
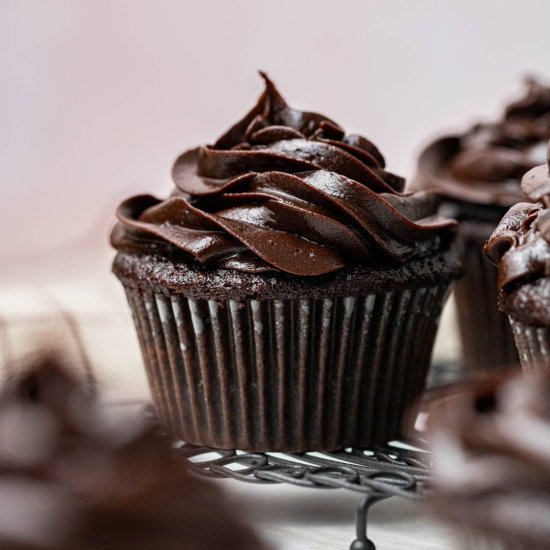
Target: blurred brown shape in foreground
[
  {"x": 75, "y": 473},
  {"x": 491, "y": 446}
]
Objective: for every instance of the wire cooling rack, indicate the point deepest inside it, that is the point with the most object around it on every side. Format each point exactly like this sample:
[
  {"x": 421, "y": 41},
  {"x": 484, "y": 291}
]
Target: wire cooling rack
[
  {"x": 376, "y": 474},
  {"x": 396, "y": 470}
]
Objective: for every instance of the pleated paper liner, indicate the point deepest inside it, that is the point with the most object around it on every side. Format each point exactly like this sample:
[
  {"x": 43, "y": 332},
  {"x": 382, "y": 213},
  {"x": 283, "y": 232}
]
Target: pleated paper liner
[
  {"x": 487, "y": 339},
  {"x": 533, "y": 345},
  {"x": 286, "y": 374}
]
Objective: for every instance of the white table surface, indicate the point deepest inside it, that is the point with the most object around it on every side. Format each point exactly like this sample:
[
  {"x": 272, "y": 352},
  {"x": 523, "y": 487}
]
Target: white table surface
[
  {"x": 36, "y": 295},
  {"x": 308, "y": 519}
]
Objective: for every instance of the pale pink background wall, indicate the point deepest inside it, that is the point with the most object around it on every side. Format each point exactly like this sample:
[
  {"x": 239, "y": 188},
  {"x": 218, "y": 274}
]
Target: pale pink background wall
[{"x": 98, "y": 97}]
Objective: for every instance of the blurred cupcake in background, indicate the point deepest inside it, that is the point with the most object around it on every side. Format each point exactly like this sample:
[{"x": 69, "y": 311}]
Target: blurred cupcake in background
[
  {"x": 520, "y": 247},
  {"x": 491, "y": 453},
  {"x": 478, "y": 174}
]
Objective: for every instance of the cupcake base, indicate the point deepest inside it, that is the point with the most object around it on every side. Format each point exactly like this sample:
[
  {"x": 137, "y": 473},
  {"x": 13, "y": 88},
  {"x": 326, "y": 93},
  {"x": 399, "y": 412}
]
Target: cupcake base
[
  {"x": 528, "y": 309},
  {"x": 267, "y": 362},
  {"x": 533, "y": 345}
]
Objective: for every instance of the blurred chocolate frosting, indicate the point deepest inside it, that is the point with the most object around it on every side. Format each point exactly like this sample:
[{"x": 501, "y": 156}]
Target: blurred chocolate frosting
[
  {"x": 75, "y": 474},
  {"x": 491, "y": 447},
  {"x": 485, "y": 164},
  {"x": 284, "y": 190},
  {"x": 520, "y": 246}
]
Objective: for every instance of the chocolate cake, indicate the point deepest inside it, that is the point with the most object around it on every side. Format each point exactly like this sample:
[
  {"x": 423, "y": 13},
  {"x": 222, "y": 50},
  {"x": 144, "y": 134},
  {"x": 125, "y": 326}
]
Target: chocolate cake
[
  {"x": 286, "y": 295},
  {"x": 478, "y": 175}
]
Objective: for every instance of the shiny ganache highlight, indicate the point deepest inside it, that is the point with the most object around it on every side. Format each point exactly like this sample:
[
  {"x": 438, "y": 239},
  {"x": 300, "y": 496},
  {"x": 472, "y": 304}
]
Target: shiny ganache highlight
[
  {"x": 485, "y": 164},
  {"x": 284, "y": 190}
]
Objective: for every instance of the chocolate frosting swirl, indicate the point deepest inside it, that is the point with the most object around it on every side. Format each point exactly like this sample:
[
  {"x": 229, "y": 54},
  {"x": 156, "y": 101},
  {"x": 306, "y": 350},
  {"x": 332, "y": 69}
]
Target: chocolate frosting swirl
[
  {"x": 485, "y": 164},
  {"x": 284, "y": 190},
  {"x": 491, "y": 451},
  {"x": 76, "y": 474},
  {"x": 520, "y": 245}
]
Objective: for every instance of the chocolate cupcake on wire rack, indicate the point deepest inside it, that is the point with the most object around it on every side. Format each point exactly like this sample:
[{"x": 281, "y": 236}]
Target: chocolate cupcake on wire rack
[{"x": 287, "y": 294}]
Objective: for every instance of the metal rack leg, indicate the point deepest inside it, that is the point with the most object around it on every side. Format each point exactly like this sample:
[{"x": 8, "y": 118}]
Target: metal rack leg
[{"x": 362, "y": 542}]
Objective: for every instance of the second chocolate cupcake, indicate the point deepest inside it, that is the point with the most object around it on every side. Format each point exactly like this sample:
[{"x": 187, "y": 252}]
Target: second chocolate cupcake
[
  {"x": 287, "y": 295},
  {"x": 520, "y": 246},
  {"x": 478, "y": 175}
]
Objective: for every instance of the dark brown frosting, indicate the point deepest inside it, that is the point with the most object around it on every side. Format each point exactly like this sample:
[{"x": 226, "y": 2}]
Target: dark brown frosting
[
  {"x": 485, "y": 164},
  {"x": 76, "y": 474},
  {"x": 520, "y": 246},
  {"x": 284, "y": 190},
  {"x": 491, "y": 452}
]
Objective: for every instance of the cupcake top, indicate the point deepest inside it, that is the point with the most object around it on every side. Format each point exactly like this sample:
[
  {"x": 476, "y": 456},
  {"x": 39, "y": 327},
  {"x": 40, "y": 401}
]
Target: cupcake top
[
  {"x": 75, "y": 474},
  {"x": 485, "y": 164},
  {"x": 284, "y": 190},
  {"x": 520, "y": 246},
  {"x": 491, "y": 453}
]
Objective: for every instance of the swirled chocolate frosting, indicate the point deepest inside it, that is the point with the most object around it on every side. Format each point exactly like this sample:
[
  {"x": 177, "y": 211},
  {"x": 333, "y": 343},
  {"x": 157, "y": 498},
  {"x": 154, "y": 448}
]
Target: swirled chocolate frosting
[
  {"x": 485, "y": 164},
  {"x": 491, "y": 452},
  {"x": 284, "y": 190},
  {"x": 76, "y": 474},
  {"x": 520, "y": 246}
]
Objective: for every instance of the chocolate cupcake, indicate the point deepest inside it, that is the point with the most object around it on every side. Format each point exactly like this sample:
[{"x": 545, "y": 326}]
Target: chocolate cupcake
[
  {"x": 478, "y": 175},
  {"x": 286, "y": 296},
  {"x": 520, "y": 246},
  {"x": 491, "y": 457},
  {"x": 75, "y": 474}
]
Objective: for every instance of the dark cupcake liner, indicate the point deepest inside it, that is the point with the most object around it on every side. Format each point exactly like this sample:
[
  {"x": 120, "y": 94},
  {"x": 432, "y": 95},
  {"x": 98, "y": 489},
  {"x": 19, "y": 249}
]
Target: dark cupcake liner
[
  {"x": 533, "y": 345},
  {"x": 487, "y": 339},
  {"x": 286, "y": 374}
]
